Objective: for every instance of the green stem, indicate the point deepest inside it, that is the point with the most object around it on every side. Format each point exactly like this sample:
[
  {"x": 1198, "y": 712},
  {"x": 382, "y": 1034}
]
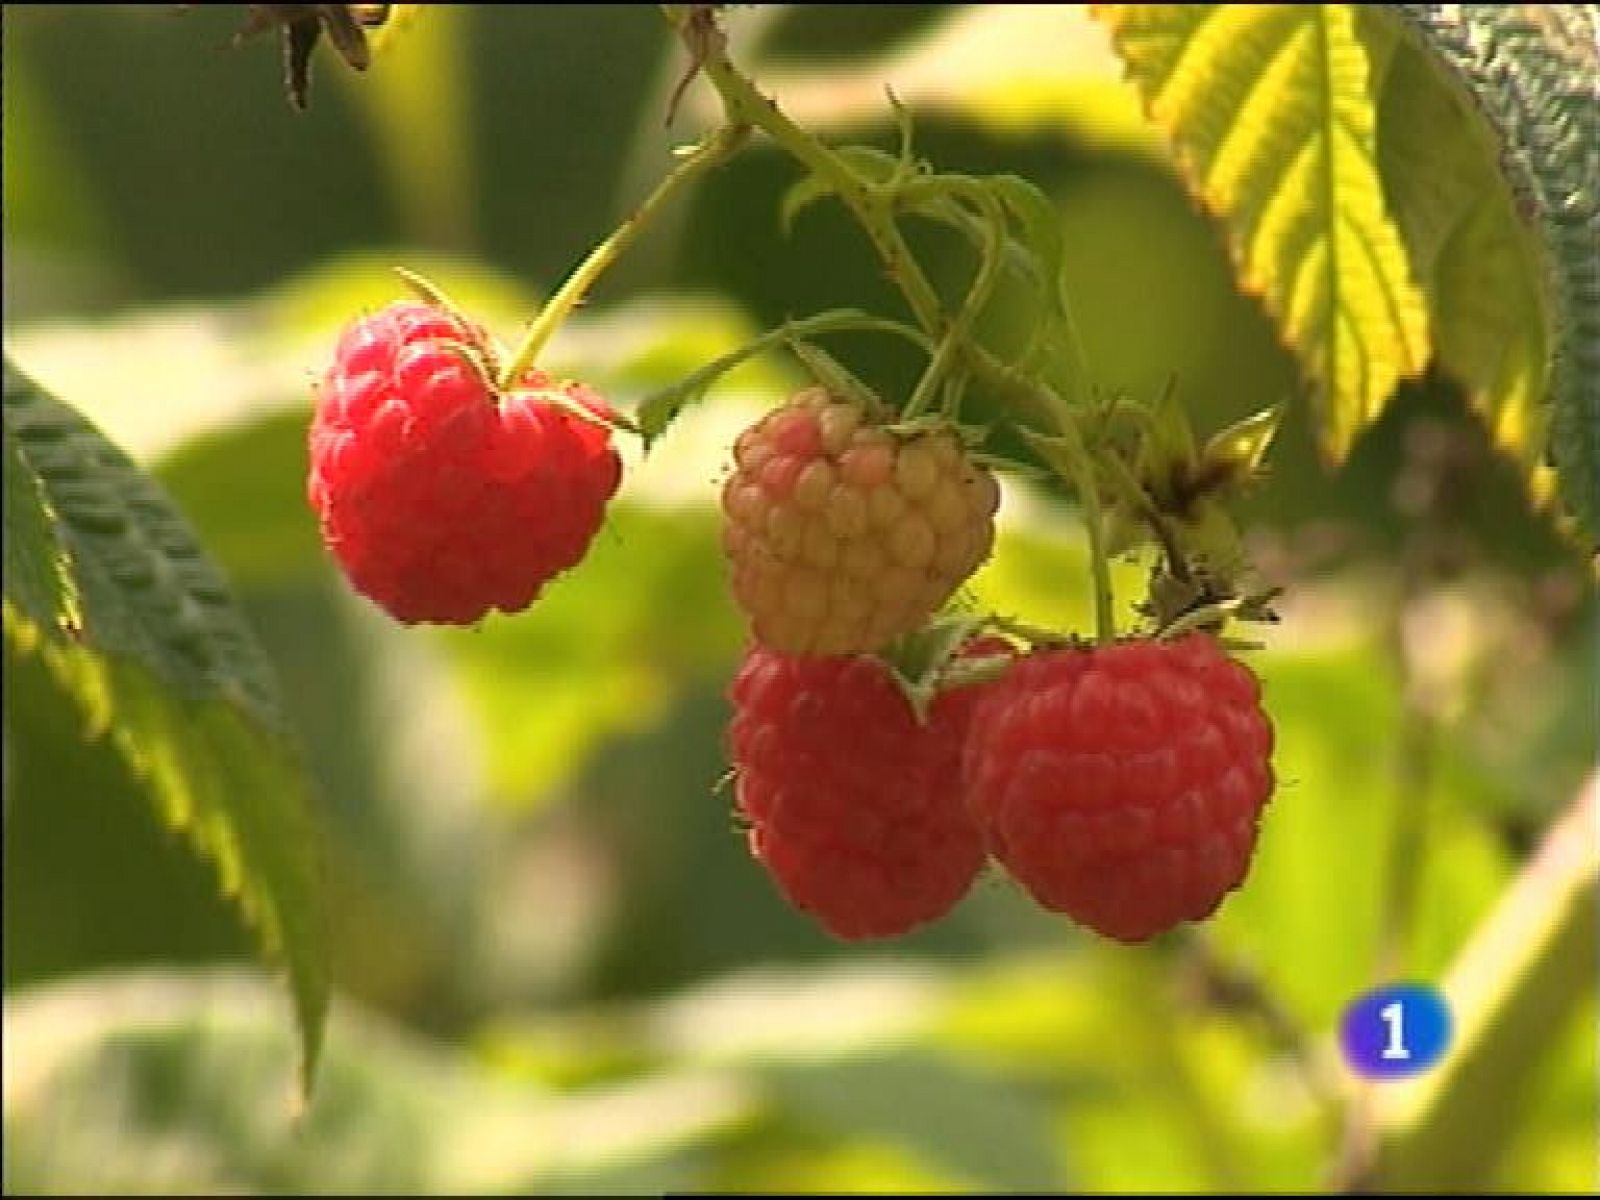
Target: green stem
[
  {"x": 1076, "y": 368},
  {"x": 1082, "y": 471},
  {"x": 710, "y": 153},
  {"x": 1413, "y": 770},
  {"x": 958, "y": 331},
  {"x": 1034, "y": 635},
  {"x": 1068, "y": 454},
  {"x": 659, "y": 410},
  {"x": 873, "y": 207},
  {"x": 745, "y": 105}
]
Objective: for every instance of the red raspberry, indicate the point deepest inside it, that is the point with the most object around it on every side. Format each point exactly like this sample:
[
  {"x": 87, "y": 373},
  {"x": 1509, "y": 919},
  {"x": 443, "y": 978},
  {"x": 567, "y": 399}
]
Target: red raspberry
[
  {"x": 440, "y": 498},
  {"x": 1122, "y": 785},
  {"x": 853, "y": 805},
  {"x": 841, "y": 535}
]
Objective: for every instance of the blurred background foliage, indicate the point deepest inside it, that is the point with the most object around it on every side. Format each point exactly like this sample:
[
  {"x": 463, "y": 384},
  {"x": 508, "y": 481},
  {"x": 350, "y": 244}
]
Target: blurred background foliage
[{"x": 556, "y": 966}]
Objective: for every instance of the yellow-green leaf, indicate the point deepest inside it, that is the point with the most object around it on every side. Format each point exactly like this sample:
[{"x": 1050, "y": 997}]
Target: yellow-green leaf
[
  {"x": 1270, "y": 114},
  {"x": 1487, "y": 125},
  {"x": 1474, "y": 259}
]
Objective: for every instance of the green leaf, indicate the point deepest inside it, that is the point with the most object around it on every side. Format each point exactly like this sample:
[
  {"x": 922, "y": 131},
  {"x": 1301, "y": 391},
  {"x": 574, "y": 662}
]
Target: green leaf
[
  {"x": 1243, "y": 445},
  {"x": 1269, "y": 110},
  {"x": 90, "y": 881},
  {"x": 835, "y": 377},
  {"x": 980, "y": 1127},
  {"x": 868, "y": 161},
  {"x": 932, "y": 199},
  {"x": 1487, "y": 129},
  {"x": 35, "y": 561},
  {"x": 140, "y": 630},
  {"x": 175, "y": 1080},
  {"x": 658, "y": 410},
  {"x": 1040, "y": 221}
]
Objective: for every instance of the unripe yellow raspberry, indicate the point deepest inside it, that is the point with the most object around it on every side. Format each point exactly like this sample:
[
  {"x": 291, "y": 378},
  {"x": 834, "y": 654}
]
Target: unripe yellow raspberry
[{"x": 842, "y": 535}]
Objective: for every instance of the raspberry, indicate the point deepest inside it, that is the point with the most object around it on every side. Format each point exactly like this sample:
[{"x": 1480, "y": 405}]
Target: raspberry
[
  {"x": 1122, "y": 785},
  {"x": 439, "y": 498},
  {"x": 853, "y": 806},
  {"x": 841, "y": 535}
]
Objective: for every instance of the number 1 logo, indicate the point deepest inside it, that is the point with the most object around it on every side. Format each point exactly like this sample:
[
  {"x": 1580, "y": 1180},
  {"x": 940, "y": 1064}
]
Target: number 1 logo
[
  {"x": 1394, "y": 1015},
  {"x": 1395, "y": 1031}
]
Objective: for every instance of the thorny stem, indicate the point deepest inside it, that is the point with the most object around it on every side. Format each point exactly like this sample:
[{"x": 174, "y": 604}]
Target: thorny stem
[
  {"x": 710, "y": 153},
  {"x": 745, "y": 105}
]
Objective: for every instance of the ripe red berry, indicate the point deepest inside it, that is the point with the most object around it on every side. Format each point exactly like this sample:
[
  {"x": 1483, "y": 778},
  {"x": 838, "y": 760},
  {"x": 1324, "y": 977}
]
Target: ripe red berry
[
  {"x": 841, "y": 535},
  {"x": 1122, "y": 785},
  {"x": 852, "y": 805},
  {"x": 440, "y": 498}
]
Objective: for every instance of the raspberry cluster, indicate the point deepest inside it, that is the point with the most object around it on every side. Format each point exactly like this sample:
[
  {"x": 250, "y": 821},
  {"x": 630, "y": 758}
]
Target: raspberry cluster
[{"x": 1120, "y": 785}]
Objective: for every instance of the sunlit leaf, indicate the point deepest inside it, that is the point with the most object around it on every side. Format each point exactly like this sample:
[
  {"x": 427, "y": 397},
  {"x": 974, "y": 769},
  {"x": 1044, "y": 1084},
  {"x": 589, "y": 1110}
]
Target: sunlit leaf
[
  {"x": 143, "y": 635},
  {"x": 1156, "y": 1089},
  {"x": 399, "y": 24},
  {"x": 1269, "y": 111},
  {"x": 1487, "y": 128},
  {"x": 1555, "y": 1144}
]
